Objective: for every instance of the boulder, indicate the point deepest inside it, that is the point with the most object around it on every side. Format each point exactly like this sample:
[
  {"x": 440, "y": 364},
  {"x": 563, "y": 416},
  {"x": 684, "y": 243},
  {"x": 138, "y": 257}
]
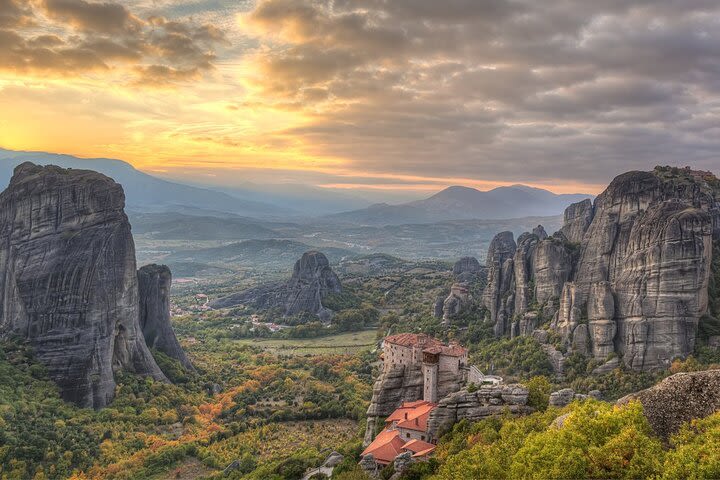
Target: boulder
[
  {"x": 487, "y": 401},
  {"x": 333, "y": 460},
  {"x": 556, "y": 358},
  {"x": 607, "y": 367},
  {"x": 678, "y": 399},
  {"x": 562, "y": 397},
  {"x": 596, "y": 394}
]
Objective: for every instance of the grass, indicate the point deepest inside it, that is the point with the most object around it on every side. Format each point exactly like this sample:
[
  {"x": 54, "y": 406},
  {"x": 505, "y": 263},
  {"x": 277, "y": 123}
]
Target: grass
[{"x": 342, "y": 343}]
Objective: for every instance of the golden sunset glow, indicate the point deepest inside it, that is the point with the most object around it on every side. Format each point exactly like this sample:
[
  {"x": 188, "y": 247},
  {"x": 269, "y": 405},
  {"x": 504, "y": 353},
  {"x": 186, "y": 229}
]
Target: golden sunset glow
[{"x": 364, "y": 91}]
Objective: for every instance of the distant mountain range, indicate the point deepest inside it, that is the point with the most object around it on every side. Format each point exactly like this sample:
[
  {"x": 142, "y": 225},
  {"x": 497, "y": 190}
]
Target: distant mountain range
[
  {"x": 142, "y": 191},
  {"x": 464, "y": 203},
  {"x": 146, "y": 194}
]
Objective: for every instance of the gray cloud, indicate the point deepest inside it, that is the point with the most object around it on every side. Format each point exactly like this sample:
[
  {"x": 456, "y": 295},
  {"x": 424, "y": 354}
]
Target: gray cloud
[
  {"x": 14, "y": 13},
  {"x": 103, "y": 17},
  {"x": 88, "y": 36},
  {"x": 499, "y": 89}
]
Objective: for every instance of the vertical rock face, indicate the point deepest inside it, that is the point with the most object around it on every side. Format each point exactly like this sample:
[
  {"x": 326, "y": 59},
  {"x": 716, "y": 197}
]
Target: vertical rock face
[
  {"x": 438, "y": 307},
  {"x": 500, "y": 279},
  {"x": 468, "y": 275},
  {"x": 311, "y": 281},
  {"x": 467, "y": 269},
  {"x": 552, "y": 267},
  {"x": 601, "y": 314},
  {"x": 631, "y": 272},
  {"x": 68, "y": 283},
  {"x": 523, "y": 270},
  {"x": 540, "y": 232},
  {"x": 154, "y": 283},
  {"x": 395, "y": 385},
  {"x": 576, "y": 220},
  {"x": 457, "y": 302},
  {"x": 525, "y": 276},
  {"x": 651, "y": 240}
]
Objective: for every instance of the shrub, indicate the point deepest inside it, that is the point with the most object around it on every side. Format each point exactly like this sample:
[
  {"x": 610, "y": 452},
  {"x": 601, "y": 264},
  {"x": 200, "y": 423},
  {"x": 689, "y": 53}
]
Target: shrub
[{"x": 539, "y": 389}]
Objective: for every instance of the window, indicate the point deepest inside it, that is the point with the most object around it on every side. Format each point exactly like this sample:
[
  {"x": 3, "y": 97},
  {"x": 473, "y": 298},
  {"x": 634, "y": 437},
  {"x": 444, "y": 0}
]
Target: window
[
  {"x": 422, "y": 437},
  {"x": 407, "y": 435}
]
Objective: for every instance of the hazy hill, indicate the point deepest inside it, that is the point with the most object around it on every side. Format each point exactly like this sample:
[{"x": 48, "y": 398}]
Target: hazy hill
[
  {"x": 142, "y": 191},
  {"x": 177, "y": 226},
  {"x": 463, "y": 203},
  {"x": 260, "y": 254}
]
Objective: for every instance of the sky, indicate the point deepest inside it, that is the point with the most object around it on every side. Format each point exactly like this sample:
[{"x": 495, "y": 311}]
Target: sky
[{"x": 367, "y": 95}]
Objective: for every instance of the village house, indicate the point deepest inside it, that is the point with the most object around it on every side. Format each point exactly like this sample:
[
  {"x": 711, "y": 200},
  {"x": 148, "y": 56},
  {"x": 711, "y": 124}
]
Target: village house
[
  {"x": 434, "y": 357},
  {"x": 406, "y": 430},
  {"x": 444, "y": 370}
]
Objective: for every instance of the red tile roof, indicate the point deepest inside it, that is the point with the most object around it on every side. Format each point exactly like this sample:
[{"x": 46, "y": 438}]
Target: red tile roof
[
  {"x": 413, "y": 339},
  {"x": 429, "y": 344},
  {"x": 405, "y": 411},
  {"x": 416, "y": 446},
  {"x": 454, "y": 350},
  {"x": 414, "y": 418},
  {"x": 386, "y": 446},
  {"x": 424, "y": 452}
]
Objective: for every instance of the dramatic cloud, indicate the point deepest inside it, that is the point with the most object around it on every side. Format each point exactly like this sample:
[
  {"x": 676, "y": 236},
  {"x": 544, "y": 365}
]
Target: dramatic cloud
[
  {"x": 496, "y": 88},
  {"x": 106, "y": 18},
  {"x": 72, "y": 37},
  {"x": 563, "y": 93}
]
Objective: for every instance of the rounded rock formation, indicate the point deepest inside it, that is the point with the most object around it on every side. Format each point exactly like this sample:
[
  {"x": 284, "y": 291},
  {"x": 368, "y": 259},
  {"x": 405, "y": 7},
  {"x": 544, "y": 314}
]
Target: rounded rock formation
[{"x": 68, "y": 282}]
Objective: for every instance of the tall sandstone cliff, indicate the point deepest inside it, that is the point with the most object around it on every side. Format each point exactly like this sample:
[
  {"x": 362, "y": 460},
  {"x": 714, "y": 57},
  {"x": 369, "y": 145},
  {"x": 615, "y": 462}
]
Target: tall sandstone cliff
[
  {"x": 68, "y": 281},
  {"x": 627, "y": 275},
  {"x": 154, "y": 283},
  {"x": 312, "y": 280}
]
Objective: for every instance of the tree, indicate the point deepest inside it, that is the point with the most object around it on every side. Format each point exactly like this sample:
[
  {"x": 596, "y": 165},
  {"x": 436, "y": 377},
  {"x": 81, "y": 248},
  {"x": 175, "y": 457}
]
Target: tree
[{"x": 539, "y": 388}]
